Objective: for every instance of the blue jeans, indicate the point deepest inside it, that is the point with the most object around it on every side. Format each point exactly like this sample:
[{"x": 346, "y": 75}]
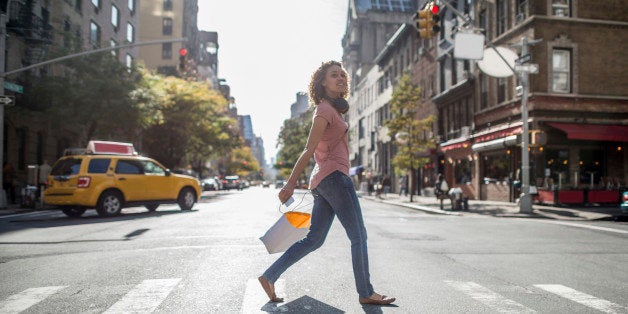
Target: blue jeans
[{"x": 334, "y": 196}]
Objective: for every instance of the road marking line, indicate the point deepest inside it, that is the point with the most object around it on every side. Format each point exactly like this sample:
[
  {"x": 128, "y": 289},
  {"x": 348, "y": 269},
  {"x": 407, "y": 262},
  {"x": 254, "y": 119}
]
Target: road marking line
[
  {"x": 255, "y": 298},
  {"x": 583, "y": 298},
  {"x": 489, "y": 297},
  {"x": 145, "y": 297},
  {"x": 27, "y": 298},
  {"x": 584, "y": 226}
]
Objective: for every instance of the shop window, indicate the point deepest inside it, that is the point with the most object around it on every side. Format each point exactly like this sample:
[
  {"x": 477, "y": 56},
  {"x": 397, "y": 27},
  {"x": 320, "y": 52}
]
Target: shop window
[
  {"x": 590, "y": 165},
  {"x": 557, "y": 166},
  {"x": 462, "y": 171},
  {"x": 496, "y": 168}
]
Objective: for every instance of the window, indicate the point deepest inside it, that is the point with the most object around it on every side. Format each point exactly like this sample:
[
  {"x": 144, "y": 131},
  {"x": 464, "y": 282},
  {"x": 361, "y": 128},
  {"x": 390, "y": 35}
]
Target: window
[
  {"x": 501, "y": 90},
  {"x": 454, "y": 69},
  {"x": 67, "y": 28},
  {"x": 115, "y": 17},
  {"x": 66, "y": 167},
  {"x": 443, "y": 68},
  {"x": 167, "y": 26},
  {"x": 483, "y": 91},
  {"x": 130, "y": 33},
  {"x": 131, "y": 6},
  {"x": 94, "y": 33},
  {"x": 167, "y": 5},
  {"x": 561, "y": 71},
  {"x": 113, "y": 43},
  {"x": 166, "y": 51},
  {"x": 522, "y": 10},
  {"x": 151, "y": 168},
  {"x": 129, "y": 60},
  {"x": 98, "y": 165},
  {"x": 501, "y": 17},
  {"x": 561, "y": 8},
  {"x": 96, "y": 4},
  {"x": 483, "y": 23},
  {"x": 129, "y": 167}
]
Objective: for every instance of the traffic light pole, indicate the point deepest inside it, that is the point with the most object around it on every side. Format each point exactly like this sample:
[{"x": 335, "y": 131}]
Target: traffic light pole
[
  {"x": 525, "y": 199},
  {"x": 3, "y": 36}
]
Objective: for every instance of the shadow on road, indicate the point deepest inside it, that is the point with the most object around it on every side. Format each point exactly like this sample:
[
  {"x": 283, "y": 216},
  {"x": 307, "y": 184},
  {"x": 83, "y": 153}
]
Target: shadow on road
[
  {"x": 301, "y": 305},
  {"x": 90, "y": 217}
]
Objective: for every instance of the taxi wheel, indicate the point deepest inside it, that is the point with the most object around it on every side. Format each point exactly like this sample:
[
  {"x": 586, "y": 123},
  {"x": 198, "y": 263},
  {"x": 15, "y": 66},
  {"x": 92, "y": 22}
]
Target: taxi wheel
[
  {"x": 109, "y": 204},
  {"x": 186, "y": 199},
  {"x": 152, "y": 207},
  {"x": 73, "y": 212}
]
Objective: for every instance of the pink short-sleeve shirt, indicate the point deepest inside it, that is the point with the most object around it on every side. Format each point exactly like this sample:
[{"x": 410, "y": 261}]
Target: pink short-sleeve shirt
[{"x": 332, "y": 151}]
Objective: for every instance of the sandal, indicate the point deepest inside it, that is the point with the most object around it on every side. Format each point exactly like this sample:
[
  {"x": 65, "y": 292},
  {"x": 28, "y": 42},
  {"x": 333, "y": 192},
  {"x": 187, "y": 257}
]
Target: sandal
[
  {"x": 269, "y": 289},
  {"x": 382, "y": 300}
]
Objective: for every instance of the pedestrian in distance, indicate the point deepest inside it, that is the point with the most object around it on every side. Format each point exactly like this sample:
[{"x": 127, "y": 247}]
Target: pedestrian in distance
[
  {"x": 328, "y": 143},
  {"x": 441, "y": 188}
]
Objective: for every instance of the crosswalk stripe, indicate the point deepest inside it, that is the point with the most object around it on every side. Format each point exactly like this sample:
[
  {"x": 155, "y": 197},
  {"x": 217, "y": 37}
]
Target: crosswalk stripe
[
  {"x": 27, "y": 298},
  {"x": 145, "y": 297},
  {"x": 489, "y": 297},
  {"x": 583, "y": 298},
  {"x": 255, "y": 298}
]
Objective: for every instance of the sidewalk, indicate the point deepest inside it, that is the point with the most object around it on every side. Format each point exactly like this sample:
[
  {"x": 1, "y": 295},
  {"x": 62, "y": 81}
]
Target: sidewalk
[
  {"x": 431, "y": 205},
  {"x": 12, "y": 209}
]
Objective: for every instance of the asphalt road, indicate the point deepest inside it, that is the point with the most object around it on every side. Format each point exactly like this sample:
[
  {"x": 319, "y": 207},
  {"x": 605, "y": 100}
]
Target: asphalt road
[{"x": 207, "y": 261}]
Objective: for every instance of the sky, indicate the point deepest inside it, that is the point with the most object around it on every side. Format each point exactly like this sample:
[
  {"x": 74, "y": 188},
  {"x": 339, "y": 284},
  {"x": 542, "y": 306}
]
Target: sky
[{"x": 268, "y": 51}]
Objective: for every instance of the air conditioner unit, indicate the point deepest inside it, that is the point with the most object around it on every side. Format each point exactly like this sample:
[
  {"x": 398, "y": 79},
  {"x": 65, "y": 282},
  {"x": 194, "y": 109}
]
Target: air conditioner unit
[{"x": 464, "y": 132}]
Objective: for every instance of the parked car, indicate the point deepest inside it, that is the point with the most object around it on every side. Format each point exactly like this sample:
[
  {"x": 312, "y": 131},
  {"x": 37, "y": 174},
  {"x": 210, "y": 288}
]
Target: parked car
[
  {"x": 624, "y": 202},
  {"x": 265, "y": 184},
  {"x": 232, "y": 182},
  {"x": 109, "y": 177},
  {"x": 210, "y": 184}
]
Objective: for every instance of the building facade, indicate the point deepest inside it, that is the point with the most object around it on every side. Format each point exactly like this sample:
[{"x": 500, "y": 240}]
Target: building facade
[
  {"x": 169, "y": 19},
  {"x": 578, "y": 126}
]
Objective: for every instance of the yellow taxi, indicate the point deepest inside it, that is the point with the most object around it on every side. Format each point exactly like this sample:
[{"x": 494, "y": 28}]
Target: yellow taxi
[{"x": 109, "y": 176}]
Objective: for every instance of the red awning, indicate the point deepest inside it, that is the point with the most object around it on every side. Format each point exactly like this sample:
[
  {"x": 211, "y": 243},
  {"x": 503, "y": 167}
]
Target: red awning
[{"x": 597, "y": 132}]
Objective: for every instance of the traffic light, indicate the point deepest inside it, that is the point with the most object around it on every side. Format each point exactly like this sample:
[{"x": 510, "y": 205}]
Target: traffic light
[
  {"x": 428, "y": 20},
  {"x": 183, "y": 58}
]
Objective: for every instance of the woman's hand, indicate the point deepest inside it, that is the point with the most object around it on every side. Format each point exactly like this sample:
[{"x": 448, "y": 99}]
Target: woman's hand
[{"x": 285, "y": 193}]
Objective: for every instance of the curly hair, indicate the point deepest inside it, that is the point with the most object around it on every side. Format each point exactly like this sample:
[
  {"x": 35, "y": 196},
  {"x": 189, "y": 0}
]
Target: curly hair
[{"x": 317, "y": 91}]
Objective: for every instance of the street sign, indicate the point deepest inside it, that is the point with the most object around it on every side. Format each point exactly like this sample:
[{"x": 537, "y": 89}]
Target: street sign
[
  {"x": 14, "y": 87},
  {"x": 524, "y": 59},
  {"x": 528, "y": 68},
  {"x": 7, "y": 100}
]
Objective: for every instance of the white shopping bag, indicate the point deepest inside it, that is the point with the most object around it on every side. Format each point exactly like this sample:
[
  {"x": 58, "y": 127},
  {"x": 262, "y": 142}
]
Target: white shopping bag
[{"x": 290, "y": 228}]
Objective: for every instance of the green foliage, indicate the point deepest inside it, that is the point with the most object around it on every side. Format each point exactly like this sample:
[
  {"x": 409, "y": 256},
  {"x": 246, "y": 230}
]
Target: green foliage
[
  {"x": 88, "y": 96},
  {"x": 404, "y": 103},
  {"x": 292, "y": 140},
  {"x": 184, "y": 122}
]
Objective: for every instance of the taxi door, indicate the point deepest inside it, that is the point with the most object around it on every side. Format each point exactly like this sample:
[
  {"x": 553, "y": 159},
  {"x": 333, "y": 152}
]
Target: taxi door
[
  {"x": 159, "y": 186},
  {"x": 130, "y": 179}
]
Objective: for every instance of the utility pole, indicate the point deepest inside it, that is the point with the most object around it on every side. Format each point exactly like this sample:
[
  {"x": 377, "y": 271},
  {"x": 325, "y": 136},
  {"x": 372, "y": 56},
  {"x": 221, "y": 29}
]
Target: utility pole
[
  {"x": 525, "y": 200},
  {"x": 3, "y": 36}
]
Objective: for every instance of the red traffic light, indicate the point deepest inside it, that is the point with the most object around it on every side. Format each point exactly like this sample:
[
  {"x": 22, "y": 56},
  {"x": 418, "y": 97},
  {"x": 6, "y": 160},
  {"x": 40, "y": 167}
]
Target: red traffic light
[
  {"x": 183, "y": 52},
  {"x": 435, "y": 9}
]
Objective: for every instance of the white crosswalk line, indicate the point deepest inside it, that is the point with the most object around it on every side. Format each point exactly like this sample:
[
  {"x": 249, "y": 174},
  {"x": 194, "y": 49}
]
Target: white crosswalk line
[
  {"x": 145, "y": 297},
  {"x": 489, "y": 297},
  {"x": 584, "y": 299},
  {"x": 27, "y": 298},
  {"x": 255, "y": 297}
]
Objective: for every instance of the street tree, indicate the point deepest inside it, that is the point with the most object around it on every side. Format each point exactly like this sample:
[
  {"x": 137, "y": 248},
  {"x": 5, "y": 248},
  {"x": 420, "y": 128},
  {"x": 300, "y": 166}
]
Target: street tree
[
  {"x": 242, "y": 162},
  {"x": 291, "y": 142},
  {"x": 88, "y": 97},
  {"x": 184, "y": 122},
  {"x": 411, "y": 134}
]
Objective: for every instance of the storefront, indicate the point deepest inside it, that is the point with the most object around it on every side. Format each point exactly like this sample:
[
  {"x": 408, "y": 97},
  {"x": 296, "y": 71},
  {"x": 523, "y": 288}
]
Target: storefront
[
  {"x": 459, "y": 164},
  {"x": 582, "y": 163},
  {"x": 498, "y": 162}
]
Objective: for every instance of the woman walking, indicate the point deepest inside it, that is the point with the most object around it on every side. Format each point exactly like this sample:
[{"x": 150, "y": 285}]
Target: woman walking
[{"x": 333, "y": 190}]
